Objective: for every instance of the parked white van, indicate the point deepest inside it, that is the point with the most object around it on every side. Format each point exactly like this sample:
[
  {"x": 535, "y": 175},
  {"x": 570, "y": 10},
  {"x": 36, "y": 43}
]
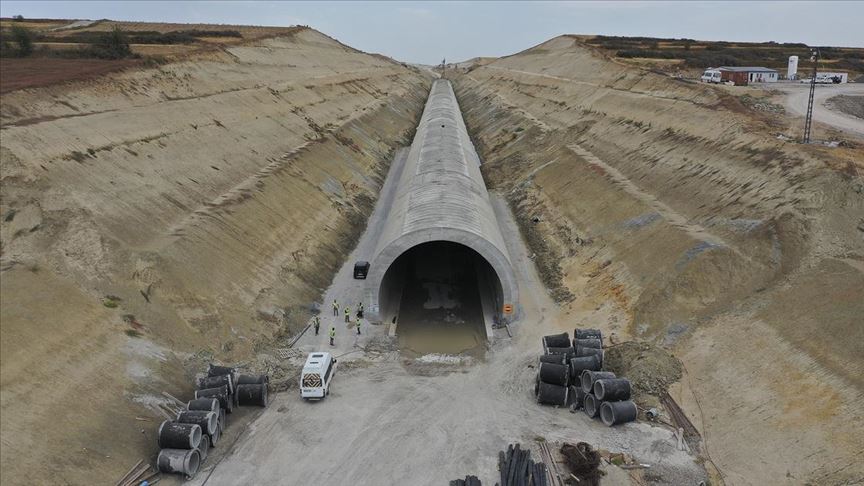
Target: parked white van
[
  {"x": 316, "y": 376},
  {"x": 711, "y": 76}
]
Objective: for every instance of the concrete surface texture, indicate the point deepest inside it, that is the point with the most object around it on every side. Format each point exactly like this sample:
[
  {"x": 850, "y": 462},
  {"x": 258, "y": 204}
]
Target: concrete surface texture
[
  {"x": 670, "y": 212},
  {"x": 441, "y": 196}
]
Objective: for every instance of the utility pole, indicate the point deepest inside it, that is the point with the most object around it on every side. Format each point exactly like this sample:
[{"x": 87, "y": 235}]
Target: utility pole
[
  {"x": 443, "y": 67},
  {"x": 808, "y": 122}
]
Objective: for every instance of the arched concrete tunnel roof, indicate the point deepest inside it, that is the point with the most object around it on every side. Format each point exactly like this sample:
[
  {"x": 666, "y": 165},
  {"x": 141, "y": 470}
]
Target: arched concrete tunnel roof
[{"x": 441, "y": 196}]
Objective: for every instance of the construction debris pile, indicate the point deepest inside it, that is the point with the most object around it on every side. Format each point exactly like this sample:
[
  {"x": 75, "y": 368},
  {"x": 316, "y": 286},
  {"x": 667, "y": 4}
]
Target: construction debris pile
[
  {"x": 571, "y": 374},
  {"x": 185, "y": 441},
  {"x": 583, "y": 462}
]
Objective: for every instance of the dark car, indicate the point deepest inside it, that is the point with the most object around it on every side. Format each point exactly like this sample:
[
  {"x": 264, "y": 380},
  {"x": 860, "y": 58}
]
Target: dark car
[{"x": 361, "y": 269}]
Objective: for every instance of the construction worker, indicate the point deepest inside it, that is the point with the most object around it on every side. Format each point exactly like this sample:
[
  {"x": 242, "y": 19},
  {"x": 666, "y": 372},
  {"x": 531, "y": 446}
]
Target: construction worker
[
  {"x": 347, "y": 314},
  {"x": 358, "y": 326},
  {"x": 317, "y": 323},
  {"x": 335, "y": 308},
  {"x": 332, "y": 334},
  {"x": 360, "y": 311}
]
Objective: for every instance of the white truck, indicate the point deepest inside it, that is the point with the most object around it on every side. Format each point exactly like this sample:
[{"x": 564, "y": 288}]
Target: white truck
[{"x": 316, "y": 376}]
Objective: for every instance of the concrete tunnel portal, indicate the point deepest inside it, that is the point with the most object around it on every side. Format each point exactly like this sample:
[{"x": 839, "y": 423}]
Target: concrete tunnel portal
[{"x": 440, "y": 259}]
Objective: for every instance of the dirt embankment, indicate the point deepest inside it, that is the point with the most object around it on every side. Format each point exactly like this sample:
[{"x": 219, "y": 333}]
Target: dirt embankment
[
  {"x": 675, "y": 204},
  {"x": 158, "y": 217}
]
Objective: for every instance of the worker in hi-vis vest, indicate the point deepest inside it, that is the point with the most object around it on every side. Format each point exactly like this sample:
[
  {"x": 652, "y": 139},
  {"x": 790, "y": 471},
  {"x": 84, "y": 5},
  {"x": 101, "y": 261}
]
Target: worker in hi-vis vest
[
  {"x": 332, "y": 334},
  {"x": 358, "y": 326},
  {"x": 335, "y": 308},
  {"x": 347, "y": 314},
  {"x": 317, "y": 323},
  {"x": 360, "y": 311}
]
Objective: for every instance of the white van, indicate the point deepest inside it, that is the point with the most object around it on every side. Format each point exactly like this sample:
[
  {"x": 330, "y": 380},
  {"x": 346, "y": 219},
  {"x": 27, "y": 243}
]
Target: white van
[
  {"x": 316, "y": 376},
  {"x": 711, "y": 76}
]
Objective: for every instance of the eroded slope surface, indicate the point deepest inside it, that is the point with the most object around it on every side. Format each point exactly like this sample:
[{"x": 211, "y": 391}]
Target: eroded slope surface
[
  {"x": 156, "y": 218},
  {"x": 670, "y": 204}
]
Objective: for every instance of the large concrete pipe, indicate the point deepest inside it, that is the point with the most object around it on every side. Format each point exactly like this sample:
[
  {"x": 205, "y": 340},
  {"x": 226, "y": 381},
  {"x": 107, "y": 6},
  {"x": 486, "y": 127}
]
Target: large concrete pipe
[
  {"x": 216, "y": 370},
  {"x": 208, "y": 421},
  {"x": 204, "y": 404},
  {"x": 440, "y": 197},
  {"x": 576, "y": 397},
  {"x": 252, "y": 394},
  {"x": 588, "y": 343},
  {"x": 591, "y": 405},
  {"x": 552, "y": 394},
  {"x": 556, "y": 340},
  {"x": 554, "y": 358},
  {"x": 587, "y": 334},
  {"x": 204, "y": 447},
  {"x": 222, "y": 420},
  {"x": 614, "y": 413},
  {"x": 612, "y": 389},
  {"x": 579, "y": 364},
  {"x": 569, "y": 352},
  {"x": 226, "y": 401},
  {"x": 179, "y": 461},
  {"x": 216, "y": 435},
  {"x": 174, "y": 435},
  {"x": 253, "y": 379},
  {"x": 554, "y": 374},
  {"x": 589, "y": 377},
  {"x": 583, "y": 351},
  {"x": 216, "y": 382}
]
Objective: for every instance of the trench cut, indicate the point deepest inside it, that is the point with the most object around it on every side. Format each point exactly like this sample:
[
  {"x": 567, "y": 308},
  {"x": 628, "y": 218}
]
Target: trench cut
[{"x": 441, "y": 197}]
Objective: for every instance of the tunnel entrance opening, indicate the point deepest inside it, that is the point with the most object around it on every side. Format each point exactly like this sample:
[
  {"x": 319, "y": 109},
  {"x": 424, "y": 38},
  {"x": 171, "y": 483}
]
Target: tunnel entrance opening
[{"x": 441, "y": 294}]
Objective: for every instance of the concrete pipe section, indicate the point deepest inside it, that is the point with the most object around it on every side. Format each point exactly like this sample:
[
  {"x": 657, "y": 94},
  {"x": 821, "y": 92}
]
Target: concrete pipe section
[{"x": 440, "y": 258}]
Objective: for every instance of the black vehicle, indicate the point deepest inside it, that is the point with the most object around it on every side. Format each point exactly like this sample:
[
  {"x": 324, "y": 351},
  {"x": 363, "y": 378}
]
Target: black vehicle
[{"x": 361, "y": 269}]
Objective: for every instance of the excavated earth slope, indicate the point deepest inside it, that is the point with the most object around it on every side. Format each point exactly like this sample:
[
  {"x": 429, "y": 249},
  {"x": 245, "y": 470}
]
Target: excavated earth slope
[
  {"x": 742, "y": 253},
  {"x": 165, "y": 216}
]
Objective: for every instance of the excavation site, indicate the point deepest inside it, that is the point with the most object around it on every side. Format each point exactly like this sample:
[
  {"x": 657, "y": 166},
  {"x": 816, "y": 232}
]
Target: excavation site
[{"x": 259, "y": 255}]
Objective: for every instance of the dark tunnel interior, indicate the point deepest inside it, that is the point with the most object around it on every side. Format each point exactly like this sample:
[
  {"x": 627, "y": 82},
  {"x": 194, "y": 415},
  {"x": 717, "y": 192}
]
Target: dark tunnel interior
[{"x": 437, "y": 292}]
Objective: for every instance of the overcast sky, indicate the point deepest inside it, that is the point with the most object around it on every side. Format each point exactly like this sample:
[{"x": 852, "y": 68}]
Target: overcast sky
[{"x": 425, "y": 32}]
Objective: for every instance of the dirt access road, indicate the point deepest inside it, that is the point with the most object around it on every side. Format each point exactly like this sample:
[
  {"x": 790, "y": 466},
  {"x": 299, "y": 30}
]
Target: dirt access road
[
  {"x": 397, "y": 420},
  {"x": 798, "y": 95}
]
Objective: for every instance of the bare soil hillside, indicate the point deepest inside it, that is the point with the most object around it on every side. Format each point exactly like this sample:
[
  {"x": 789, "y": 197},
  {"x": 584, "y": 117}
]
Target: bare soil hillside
[
  {"x": 158, "y": 218},
  {"x": 669, "y": 211}
]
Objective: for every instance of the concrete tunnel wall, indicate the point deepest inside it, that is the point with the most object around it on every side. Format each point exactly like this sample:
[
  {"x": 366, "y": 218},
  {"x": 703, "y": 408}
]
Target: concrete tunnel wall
[{"x": 441, "y": 196}]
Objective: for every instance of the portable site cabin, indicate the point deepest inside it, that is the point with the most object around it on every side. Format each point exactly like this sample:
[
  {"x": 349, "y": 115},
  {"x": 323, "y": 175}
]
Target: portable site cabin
[
  {"x": 316, "y": 376},
  {"x": 743, "y": 75}
]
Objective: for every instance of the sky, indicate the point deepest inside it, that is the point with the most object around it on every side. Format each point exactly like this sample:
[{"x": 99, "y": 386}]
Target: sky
[{"x": 426, "y": 32}]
